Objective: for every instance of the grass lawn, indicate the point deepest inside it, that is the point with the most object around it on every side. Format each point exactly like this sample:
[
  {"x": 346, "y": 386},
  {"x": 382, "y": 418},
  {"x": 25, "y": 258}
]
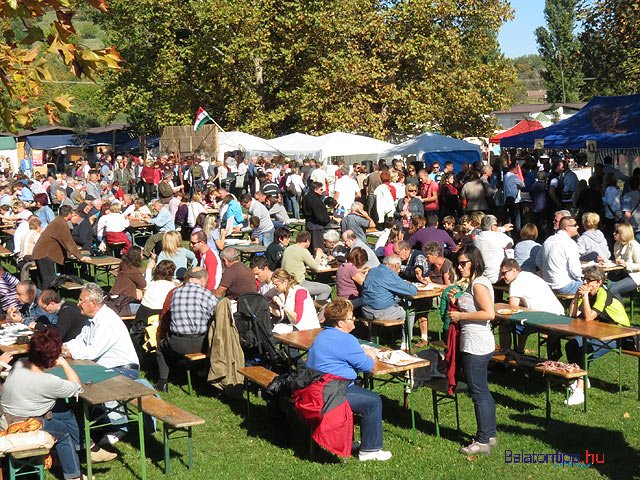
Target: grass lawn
[{"x": 232, "y": 446}]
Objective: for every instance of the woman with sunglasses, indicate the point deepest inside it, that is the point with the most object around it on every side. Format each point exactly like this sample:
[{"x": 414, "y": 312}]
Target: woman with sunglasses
[
  {"x": 592, "y": 302},
  {"x": 475, "y": 312},
  {"x": 409, "y": 207}
]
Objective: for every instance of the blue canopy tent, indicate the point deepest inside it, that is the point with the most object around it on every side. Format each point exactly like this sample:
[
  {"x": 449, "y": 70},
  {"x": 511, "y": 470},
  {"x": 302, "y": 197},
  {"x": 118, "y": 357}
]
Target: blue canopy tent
[
  {"x": 613, "y": 122},
  {"x": 54, "y": 142},
  {"x": 431, "y": 147}
]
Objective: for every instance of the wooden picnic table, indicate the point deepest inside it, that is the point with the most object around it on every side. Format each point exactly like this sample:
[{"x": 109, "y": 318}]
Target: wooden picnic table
[
  {"x": 245, "y": 250},
  {"x": 303, "y": 340},
  {"x": 118, "y": 389},
  {"x": 607, "y": 333},
  {"x": 103, "y": 263}
]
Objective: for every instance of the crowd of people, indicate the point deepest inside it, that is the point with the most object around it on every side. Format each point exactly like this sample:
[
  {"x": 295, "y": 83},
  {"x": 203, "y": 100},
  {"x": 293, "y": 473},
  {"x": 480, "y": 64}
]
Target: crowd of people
[{"x": 515, "y": 223}]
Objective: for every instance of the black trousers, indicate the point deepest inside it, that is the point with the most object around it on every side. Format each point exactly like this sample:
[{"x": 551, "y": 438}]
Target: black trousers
[
  {"x": 171, "y": 345},
  {"x": 46, "y": 273}
]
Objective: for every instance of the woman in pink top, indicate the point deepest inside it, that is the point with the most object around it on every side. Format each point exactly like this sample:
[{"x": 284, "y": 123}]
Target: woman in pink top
[{"x": 349, "y": 278}]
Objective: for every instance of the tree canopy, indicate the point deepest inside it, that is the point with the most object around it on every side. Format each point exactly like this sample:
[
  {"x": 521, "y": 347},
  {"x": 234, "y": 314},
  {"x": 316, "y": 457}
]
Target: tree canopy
[
  {"x": 25, "y": 54},
  {"x": 560, "y": 50},
  {"x": 610, "y": 47},
  {"x": 384, "y": 68}
]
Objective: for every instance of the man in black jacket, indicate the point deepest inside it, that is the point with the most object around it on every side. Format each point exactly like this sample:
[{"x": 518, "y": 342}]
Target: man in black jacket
[
  {"x": 82, "y": 232},
  {"x": 316, "y": 215}
]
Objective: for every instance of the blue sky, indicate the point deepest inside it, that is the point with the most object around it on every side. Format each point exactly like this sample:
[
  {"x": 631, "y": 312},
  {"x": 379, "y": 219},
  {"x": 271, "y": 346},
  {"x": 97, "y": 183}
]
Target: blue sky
[{"x": 516, "y": 37}]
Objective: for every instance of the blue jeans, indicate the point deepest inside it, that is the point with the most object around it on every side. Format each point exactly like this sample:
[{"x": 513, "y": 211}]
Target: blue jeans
[
  {"x": 475, "y": 370},
  {"x": 266, "y": 238},
  {"x": 622, "y": 286},
  {"x": 569, "y": 289},
  {"x": 118, "y": 418},
  {"x": 369, "y": 405},
  {"x": 293, "y": 205},
  {"x": 64, "y": 427},
  {"x": 575, "y": 353}
]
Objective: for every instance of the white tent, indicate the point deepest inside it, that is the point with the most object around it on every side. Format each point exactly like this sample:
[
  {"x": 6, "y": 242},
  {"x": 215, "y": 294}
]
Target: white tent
[
  {"x": 296, "y": 145},
  {"x": 431, "y": 147},
  {"x": 340, "y": 144},
  {"x": 250, "y": 144}
]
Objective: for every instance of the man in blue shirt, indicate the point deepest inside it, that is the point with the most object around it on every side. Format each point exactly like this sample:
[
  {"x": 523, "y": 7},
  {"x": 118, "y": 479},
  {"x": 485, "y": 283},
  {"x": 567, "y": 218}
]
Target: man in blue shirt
[
  {"x": 380, "y": 294},
  {"x": 23, "y": 193},
  {"x": 163, "y": 222}
]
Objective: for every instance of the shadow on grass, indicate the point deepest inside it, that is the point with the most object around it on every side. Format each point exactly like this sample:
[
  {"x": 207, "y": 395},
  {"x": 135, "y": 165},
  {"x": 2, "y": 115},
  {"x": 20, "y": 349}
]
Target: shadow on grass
[{"x": 618, "y": 459}]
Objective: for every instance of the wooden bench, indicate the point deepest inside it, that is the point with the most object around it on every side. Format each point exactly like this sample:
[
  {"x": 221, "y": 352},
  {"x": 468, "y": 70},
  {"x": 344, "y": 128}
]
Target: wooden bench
[
  {"x": 384, "y": 323},
  {"x": 174, "y": 420},
  {"x": 633, "y": 353},
  {"x": 27, "y": 462},
  {"x": 567, "y": 376},
  {"x": 440, "y": 395},
  {"x": 191, "y": 359},
  {"x": 260, "y": 376}
]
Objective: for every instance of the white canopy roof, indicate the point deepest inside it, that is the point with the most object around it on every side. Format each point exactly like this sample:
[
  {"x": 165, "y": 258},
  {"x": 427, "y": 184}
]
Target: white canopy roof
[
  {"x": 252, "y": 145},
  {"x": 295, "y": 144},
  {"x": 336, "y": 144},
  {"x": 427, "y": 143}
]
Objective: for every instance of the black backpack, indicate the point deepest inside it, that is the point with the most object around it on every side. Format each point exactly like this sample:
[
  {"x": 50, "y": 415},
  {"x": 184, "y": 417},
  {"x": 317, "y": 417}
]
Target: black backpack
[{"x": 253, "y": 321}]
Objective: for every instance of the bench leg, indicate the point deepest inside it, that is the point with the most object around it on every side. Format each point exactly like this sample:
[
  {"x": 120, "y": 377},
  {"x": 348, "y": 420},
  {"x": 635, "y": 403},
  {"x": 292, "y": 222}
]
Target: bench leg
[
  {"x": 436, "y": 419},
  {"x": 26, "y": 466},
  {"x": 190, "y": 448},
  {"x": 190, "y": 388},
  {"x": 548, "y": 405},
  {"x": 246, "y": 389},
  {"x": 638, "y": 378},
  {"x": 167, "y": 451},
  {"x": 455, "y": 395}
]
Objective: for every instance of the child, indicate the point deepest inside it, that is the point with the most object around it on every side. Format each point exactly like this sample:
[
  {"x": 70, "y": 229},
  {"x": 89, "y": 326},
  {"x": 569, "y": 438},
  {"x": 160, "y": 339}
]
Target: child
[
  {"x": 448, "y": 224},
  {"x": 254, "y": 223}
]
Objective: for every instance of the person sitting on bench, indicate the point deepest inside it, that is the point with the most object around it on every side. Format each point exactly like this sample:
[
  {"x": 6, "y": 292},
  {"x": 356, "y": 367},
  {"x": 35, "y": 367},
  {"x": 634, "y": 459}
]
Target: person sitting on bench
[{"x": 592, "y": 302}]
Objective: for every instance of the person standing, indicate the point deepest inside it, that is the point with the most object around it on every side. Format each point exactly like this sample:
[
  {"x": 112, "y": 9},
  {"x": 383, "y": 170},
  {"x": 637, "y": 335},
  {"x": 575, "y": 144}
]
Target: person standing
[
  {"x": 54, "y": 245},
  {"x": 477, "y": 345}
]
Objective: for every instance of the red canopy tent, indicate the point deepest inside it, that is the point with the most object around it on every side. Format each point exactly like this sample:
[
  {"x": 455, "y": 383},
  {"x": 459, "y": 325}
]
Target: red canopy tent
[{"x": 522, "y": 127}]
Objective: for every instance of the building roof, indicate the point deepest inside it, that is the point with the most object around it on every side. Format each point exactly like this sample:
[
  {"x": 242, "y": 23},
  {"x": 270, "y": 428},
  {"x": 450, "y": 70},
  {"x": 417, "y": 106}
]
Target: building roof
[
  {"x": 110, "y": 128},
  {"x": 539, "y": 107}
]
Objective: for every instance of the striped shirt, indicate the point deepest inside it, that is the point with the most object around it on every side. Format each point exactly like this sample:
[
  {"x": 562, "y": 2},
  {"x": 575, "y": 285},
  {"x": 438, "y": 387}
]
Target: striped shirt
[{"x": 8, "y": 296}]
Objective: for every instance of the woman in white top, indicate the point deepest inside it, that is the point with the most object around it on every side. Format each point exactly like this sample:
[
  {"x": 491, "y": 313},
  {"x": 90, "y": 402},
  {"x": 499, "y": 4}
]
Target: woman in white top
[
  {"x": 477, "y": 344},
  {"x": 195, "y": 208},
  {"x": 115, "y": 225},
  {"x": 293, "y": 200},
  {"x": 626, "y": 252},
  {"x": 385, "y": 203},
  {"x": 295, "y": 305},
  {"x": 159, "y": 284}
]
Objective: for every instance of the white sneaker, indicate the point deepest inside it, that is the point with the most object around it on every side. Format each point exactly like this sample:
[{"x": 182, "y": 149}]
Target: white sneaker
[
  {"x": 574, "y": 384},
  {"x": 576, "y": 397},
  {"x": 111, "y": 438},
  {"x": 381, "y": 455}
]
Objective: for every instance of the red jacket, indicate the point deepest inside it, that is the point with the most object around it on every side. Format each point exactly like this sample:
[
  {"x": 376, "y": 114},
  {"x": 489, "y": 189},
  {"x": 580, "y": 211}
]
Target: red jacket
[
  {"x": 323, "y": 406},
  {"x": 453, "y": 349}
]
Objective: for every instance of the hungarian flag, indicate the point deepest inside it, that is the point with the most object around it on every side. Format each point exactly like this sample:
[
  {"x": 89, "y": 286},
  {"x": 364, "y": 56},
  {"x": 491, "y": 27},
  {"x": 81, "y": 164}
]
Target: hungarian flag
[{"x": 202, "y": 118}]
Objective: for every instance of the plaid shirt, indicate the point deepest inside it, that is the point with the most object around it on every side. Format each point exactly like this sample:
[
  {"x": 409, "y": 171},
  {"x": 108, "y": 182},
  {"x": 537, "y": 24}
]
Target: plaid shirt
[{"x": 191, "y": 308}]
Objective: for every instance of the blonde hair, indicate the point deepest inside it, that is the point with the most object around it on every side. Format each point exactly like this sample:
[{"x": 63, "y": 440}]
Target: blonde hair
[
  {"x": 475, "y": 218},
  {"x": 625, "y": 231},
  {"x": 281, "y": 275},
  {"x": 590, "y": 220},
  {"x": 171, "y": 243},
  {"x": 209, "y": 225},
  {"x": 196, "y": 197},
  {"x": 115, "y": 208}
]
